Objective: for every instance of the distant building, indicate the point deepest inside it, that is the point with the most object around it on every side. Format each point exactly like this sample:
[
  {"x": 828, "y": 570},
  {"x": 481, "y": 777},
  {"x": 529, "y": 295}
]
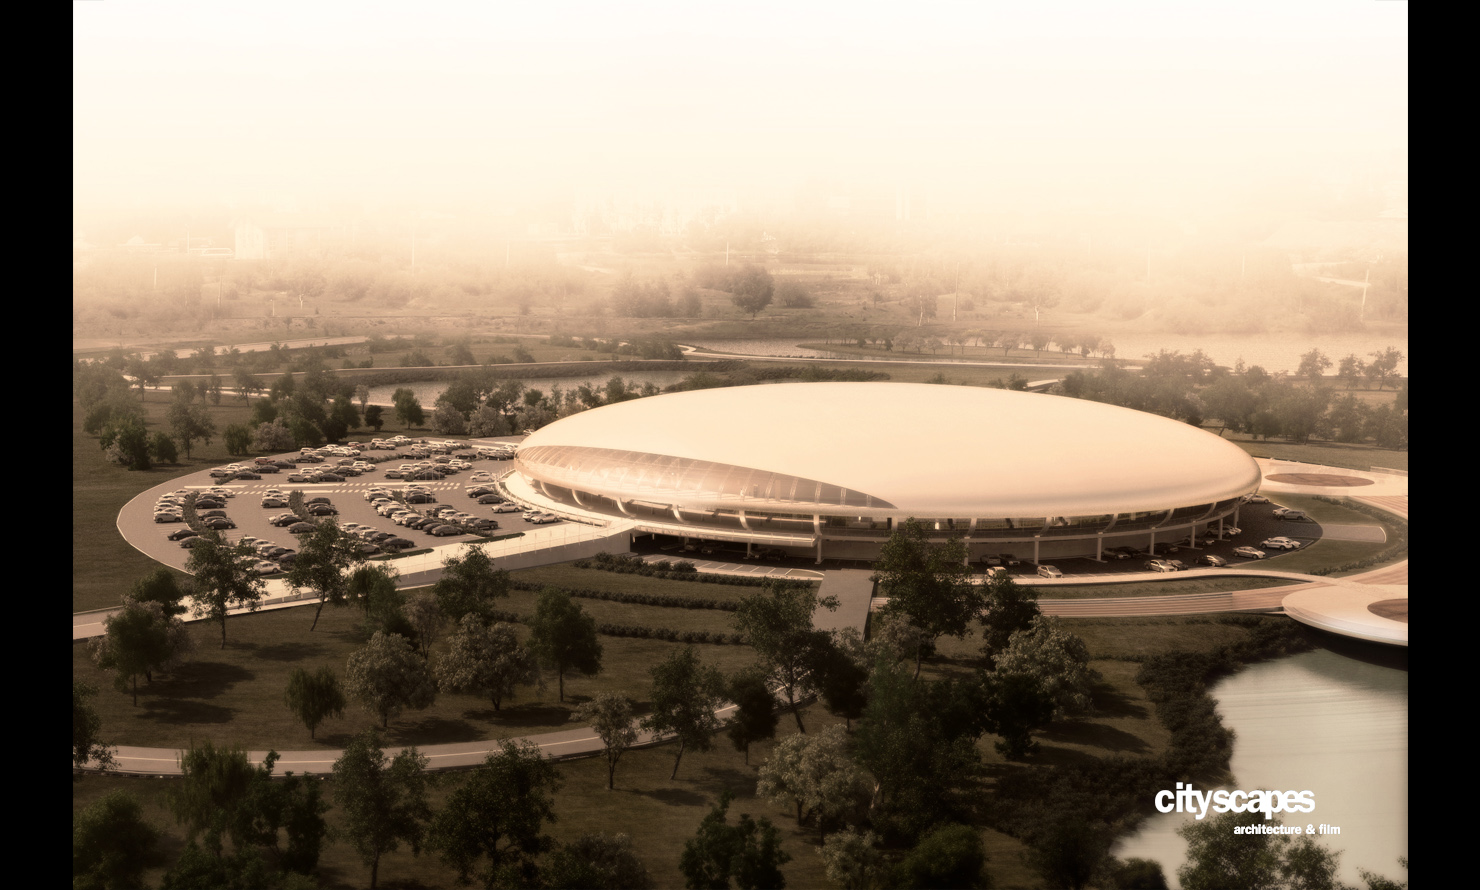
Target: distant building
[{"x": 280, "y": 236}]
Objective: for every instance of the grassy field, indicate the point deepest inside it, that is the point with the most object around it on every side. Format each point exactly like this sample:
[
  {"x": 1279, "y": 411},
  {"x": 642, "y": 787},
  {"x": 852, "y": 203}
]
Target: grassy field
[
  {"x": 1331, "y": 454},
  {"x": 1164, "y": 588}
]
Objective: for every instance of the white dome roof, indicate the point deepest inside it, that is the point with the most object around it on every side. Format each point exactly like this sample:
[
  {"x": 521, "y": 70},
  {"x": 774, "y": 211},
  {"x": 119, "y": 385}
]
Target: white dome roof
[{"x": 923, "y": 449}]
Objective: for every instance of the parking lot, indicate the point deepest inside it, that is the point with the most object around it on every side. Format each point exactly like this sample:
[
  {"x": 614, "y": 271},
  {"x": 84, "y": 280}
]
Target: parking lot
[{"x": 249, "y": 509}]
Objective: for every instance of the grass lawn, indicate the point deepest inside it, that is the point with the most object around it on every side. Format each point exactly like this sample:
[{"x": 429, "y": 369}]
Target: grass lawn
[
  {"x": 1164, "y": 588},
  {"x": 1331, "y": 454}
]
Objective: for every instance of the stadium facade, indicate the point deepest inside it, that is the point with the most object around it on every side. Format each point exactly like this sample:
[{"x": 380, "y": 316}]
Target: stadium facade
[{"x": 831, "y": 469}]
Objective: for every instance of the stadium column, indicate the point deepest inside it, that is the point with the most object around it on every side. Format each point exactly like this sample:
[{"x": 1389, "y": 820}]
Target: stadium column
[{"x": 1035, "y": 550}]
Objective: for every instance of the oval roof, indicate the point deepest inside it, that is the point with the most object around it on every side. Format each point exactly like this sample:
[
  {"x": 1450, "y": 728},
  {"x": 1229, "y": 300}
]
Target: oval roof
[{"x": 932, "y": 450}]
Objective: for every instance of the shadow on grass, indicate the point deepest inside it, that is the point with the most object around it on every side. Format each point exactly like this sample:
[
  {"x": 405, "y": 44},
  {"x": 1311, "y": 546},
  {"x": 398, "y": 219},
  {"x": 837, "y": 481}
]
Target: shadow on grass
[
  {"x": 201, "y": 679},
  {"x": 674, "y": 797},
  {"x": 434, "y": 731},
  {"x": 1112, "y": 702},
  {"x": 1051, "y": 755},
  {"x": 1094, "y": 735},
  {"x": 738, "y": 780},
  {"x": 183, "y": 711},
  {"x": 524, "y": 715},
  {"x": 297, "y": 651}
]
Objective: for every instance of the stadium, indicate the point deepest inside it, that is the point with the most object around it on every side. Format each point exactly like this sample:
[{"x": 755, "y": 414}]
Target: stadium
[{"x": 831, "y": 469}]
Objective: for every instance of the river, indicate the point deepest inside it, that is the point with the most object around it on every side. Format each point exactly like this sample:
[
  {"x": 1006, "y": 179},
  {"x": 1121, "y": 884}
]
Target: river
[{"x": 1320, "y": 722}]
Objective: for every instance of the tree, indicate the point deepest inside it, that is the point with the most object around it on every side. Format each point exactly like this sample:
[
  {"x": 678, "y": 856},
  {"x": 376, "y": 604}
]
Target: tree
[
  {"x": 818, "y": 773},
  {"x": 190, "y": 423},
  {"x": 88, "y": 746},
  {"x": 485, "y": 660},
  {"x": 470, "y": 583},
  {"x": 1218, "y": 858},
  {"x": 929, "y": 584},
  {"x": 1384, "y": 366},
  {"x": 374, "y": 417},
  {"x": 755, "y": 718},
  {"x": 562, "y": 636},
  {"x": 162, "y": 449},
  {"x": 498, "y": 816},
  {"x": 684, "y": 697},
  {"x": 1351, "y": 369},
  {"x": 112, "y": 844},
  {"x": 448, "y": 421},
  {"x": 853, "y": 861},
  {"x": 778, "y": 623},
  {"x": 224, "y": 579},
  {"x": 138, "y": 640},
  {"x": 1313, "y": 365},
  {"x": 325, "y": 558},
  {"x": 1059, "y": 661},
  {"x": 273, "y": 437},
  {"x": 1007, "y": 607},
  {"x": 1138, "y": 874},
  {"x": 238, "y": 439},
  {"x": 386, "y": 676},
  {"x": 1016, "y": 705},
  {"x": 1071, "y": 852},
  {"x": 596, "y": 862},
  {"x": 751, "y": 289},
  {"x": 209, "y": 798},
  {"x": 425, "y": 616},
  {"x": 126, "y": 443},
  {"x": 749, "y": 852},
  {"x": 312, "y": 697},
  {"x": 793, "y": 296},
  {"x": 951, "y": 858},
  {"x": 161, "y": 586},
  {"x": 842, "y": 675},
  {"x": 384, "y": 803},
  {"x": 408, "y": 407},
  {"x": 611, "y": 717}
]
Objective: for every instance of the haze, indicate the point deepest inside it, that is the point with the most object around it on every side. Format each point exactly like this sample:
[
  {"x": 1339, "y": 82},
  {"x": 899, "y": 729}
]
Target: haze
[{"x": 1203, "y": 109}]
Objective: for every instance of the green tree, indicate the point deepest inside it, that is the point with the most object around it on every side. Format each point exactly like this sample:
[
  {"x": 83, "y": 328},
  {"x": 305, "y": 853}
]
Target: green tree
[
  {"x": 610, "y": 716},
  {"x": 1138, "y": 874},
  {"x": 447, "y": 421},
  {"x": 1218, "y": 858},
  {"x": 562, "y": 636},
  {"x": 1384, "y": 366},
  {"x": 751, "y": 289},
  {"x": 1007, "y": 607},
  {"x": 485, "y": 660},
  {"x": 314, "y": 696},
  {"x": 209, "y": 798},
  {"x": 1016, "y": 705},
  {"x": 386, "y": 677},
  {"x": 749, "y": 853},
  {"x": 425, "y": 616},
  {"x": 684, "y": 698},
  {"x": 1059, "y": 661},
  {"x": 408, "y": 407},
  {"x": 470, "y": 583},
  {"x": 164, "y": 587},
  {"x": 88, "y": 746},
  {"x": 1312, "y": 365},
  {"x": 951, "y": 858},
  {"x": 816, "y": 772},
  {"x": 596, "y": 862},
  {"x": 138, "y": 640},
  {"x": 755, "y": 718},
  {"x": 1351, "y": 370},
  {"x": 190, "y": 423},
  {"x": 498, "y": 817},
  {"x": 162, "y": 449},
  {"x": 1072, "y": 852},
  {"x": 126, "y": 443},
  {"x": 374, "y": 417},
  {"x": 853, "y": 861},
  {"x": 383, "y": 801},
  {"x": 112, "y": 844},
  {"x": 272, "y": 437},
  {"x": 929, "y": 584},
  {"x": 778, "y": 623},
  {"x": 224, "y": 579},
  {"x": 238, "y": 439},
  {"x": 325, "y": 559}
]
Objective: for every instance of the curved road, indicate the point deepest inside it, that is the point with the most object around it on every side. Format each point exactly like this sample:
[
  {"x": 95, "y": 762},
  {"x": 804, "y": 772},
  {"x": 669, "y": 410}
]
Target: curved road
[{"x": 1391, "y": 495}]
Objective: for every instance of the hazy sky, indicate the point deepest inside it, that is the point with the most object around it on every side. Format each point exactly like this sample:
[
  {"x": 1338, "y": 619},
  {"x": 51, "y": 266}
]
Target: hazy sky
[{"x": 1067, "y": 102}]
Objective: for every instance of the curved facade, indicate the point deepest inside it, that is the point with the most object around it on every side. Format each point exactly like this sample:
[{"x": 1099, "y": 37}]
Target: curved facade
[{"x": 834, "y": 466}]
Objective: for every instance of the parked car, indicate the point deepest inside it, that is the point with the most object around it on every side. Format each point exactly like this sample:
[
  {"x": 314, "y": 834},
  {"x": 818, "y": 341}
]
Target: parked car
[
  {"x": 1009, "y": 560},
  {"x": 168, "y": 517},
  {"x": 1280, "y": 544},
  {"x": 1286, "y": 513},
  {"x": 1160, "y": 565},
  {"x": 1255, "y": 499},
  {"x": 301, "y": 528},
  {"x": 506, "y": 508},
  {"x": 191, "y": 541},
  {"x": 1248, "y": 553},
  {"x": 1215, "y": 561},
  {"x": 1050, "y": 572},
  {"x": 180, "y": 534},
  {"x": 1231, "y": 531}
]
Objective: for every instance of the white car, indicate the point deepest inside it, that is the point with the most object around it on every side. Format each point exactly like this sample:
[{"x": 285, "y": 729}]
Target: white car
[
  {"x": 1280, "y": 544},
  {"x": 1248, "y": 553},
  {"x": 1050, "y": 572}
]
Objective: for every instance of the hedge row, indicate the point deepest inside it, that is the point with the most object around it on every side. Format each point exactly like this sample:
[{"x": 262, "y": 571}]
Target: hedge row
[
  {"x": 643, "y": 632},
  {"x": 636, "y": 599}
]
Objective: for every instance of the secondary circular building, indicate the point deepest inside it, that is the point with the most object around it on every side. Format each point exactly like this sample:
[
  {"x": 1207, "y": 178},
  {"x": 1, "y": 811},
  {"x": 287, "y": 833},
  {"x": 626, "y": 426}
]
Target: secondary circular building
[{"x": 835, "y": 467}]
